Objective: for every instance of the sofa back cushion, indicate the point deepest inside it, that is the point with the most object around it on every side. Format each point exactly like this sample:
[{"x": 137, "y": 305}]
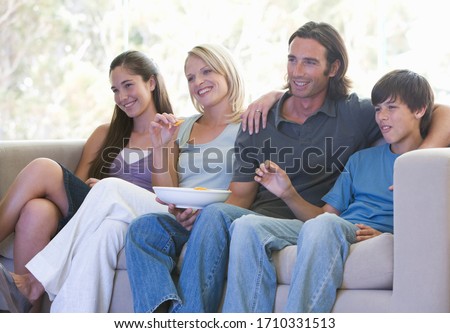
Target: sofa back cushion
[{"x": 15, "y": 155}]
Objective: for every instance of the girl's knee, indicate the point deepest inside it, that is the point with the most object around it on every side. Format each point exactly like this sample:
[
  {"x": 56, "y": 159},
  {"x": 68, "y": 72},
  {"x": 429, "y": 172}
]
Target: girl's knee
[
  {"x": 109, "y": 184},
  {"x": 112, "y": 231},
  {"x": 42, "y": 173},
  {"x": 43, "y": 165}
]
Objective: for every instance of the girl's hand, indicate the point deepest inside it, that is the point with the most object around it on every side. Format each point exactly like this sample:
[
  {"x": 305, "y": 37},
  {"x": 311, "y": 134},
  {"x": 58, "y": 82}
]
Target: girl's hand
[{"x": 91, "y": 181}]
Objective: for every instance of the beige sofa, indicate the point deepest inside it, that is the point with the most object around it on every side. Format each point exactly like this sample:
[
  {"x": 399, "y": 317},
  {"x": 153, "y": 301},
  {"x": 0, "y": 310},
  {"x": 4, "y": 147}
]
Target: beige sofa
[{"x": 411, "y": 274}]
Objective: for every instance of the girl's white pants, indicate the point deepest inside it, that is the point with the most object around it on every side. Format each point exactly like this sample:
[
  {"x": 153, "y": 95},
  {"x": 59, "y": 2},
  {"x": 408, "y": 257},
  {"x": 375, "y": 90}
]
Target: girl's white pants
[{"x": 77, "y": 267}]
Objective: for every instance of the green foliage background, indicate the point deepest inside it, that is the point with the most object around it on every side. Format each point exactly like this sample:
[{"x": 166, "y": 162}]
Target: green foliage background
[{"x": 55, "y": 54}]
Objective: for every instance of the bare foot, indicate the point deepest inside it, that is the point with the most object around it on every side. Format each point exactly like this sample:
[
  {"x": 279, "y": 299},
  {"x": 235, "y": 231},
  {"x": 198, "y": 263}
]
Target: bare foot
[{"x": 29, "y": 286}]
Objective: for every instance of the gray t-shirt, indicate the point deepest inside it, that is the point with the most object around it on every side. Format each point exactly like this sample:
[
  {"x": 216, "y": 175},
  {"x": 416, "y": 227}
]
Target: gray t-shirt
[
  {"x": 209, "y": 164},
  {"x": 313, "y": 153}
]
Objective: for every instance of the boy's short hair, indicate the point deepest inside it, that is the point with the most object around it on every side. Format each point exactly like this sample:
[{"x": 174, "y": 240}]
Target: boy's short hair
[{"x": 411, "y": 88}]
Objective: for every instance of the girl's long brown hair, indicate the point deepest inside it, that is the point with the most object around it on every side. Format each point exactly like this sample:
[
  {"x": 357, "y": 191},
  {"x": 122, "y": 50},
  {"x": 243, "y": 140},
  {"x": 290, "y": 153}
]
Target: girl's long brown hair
[{"x": 121, "y": 125}]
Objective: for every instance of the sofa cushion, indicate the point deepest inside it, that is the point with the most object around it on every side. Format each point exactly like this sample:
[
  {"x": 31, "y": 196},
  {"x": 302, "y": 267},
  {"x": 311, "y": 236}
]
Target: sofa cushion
[
  {"x": 122, "y": 261},
  {"x": 368, "y": 266}
]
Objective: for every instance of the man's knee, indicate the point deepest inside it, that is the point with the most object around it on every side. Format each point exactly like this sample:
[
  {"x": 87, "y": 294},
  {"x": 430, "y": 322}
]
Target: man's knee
[
  {"x": 322, "y": 226},
  {"x": 244, "y": 225}
]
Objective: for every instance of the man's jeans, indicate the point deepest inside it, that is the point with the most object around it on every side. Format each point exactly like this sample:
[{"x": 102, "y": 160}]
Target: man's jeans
[
  {"x": 322, "y": 248},
  {"x": 252, "y": 279}
]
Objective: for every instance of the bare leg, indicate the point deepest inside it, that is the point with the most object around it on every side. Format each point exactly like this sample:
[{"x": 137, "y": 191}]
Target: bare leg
[
  {"x": 42, "y": 178},
  {"x": 38, "y": 223},
  {"x": 32, "y": 208}
]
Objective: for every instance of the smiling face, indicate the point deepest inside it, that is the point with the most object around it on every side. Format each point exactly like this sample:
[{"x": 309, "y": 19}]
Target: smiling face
[
  {"x": 399, "y": 125},
  {"x": 209, "y": 88},
  {"x": 307, "y": 68},
  {"x": 131, "y": 93}
]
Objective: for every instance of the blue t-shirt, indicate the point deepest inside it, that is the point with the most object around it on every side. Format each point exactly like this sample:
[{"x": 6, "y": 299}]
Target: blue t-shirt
[{"x": 361, "y": 193}]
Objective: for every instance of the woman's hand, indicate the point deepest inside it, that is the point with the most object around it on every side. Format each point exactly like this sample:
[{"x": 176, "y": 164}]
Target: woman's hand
[
  {"x": 185, "y": 216},
  {"x": 257, "y": 111},
  {"x": 162, "y": 129},
  {"x": 365, "y": 232},
  {"x": 275, "y": 179}
]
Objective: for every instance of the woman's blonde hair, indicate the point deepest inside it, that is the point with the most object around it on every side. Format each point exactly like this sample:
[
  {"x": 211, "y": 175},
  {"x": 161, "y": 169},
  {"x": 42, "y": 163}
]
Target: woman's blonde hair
[{"x": 222, "y": 62}]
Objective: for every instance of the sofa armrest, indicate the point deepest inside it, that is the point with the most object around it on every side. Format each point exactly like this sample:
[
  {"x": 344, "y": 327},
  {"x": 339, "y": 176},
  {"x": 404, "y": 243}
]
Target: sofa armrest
[
  {"x": 422, "y": 231},
  {"x": 15, "y": 155}
]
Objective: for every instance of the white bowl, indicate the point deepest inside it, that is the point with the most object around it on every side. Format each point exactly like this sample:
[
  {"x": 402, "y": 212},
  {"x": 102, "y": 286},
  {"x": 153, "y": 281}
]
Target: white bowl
[{"x": 183, "y": 197}]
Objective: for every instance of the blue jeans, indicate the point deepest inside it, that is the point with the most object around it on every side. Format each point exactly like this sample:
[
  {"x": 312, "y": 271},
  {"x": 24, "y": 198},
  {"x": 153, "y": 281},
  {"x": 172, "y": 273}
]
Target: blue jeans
[
  {"x": 153, "y": 243},
  {"x": 252, "y": 279},
  {"x": 322, "y": 247}
]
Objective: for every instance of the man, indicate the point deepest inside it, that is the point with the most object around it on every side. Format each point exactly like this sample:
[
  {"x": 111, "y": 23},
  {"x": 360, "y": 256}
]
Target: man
[
  {"x": 358, "y": 207},
  {"x": 311, "y": 132}
]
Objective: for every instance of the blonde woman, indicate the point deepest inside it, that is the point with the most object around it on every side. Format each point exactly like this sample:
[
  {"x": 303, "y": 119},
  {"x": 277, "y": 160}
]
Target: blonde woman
[{"x": 154, "y": 240}]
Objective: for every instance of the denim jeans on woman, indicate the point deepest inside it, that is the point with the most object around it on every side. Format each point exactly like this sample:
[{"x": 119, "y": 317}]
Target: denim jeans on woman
[
  {"x": 322, "y": 247},
  {"x": 154, "y": 242}
]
